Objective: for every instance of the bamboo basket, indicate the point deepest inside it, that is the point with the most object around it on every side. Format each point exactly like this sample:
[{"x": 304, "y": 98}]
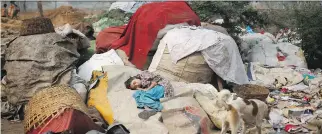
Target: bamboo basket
[
  {"x": 49, "y": 103},
  {"x": 192, "y": 69}
]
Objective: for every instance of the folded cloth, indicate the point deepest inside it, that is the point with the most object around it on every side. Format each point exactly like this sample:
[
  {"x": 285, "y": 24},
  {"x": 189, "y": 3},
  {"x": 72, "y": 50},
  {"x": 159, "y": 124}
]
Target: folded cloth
[
  {"x": 150, "y": 98},
  {"x": 67, "y": 29}
]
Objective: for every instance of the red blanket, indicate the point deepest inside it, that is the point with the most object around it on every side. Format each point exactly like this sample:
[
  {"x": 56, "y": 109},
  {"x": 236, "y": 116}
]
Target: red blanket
[
  {"x": 105, "y": 38},
  {"x": 141, "y": 31}
]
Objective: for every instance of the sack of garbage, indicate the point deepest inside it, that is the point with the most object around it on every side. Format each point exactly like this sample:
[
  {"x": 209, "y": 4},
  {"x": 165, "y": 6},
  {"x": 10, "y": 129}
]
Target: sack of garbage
[
  {"x": 97, "y": 61},
  {"x": 74, "y": 35},
  {"x": 214, "y": 112},
  {"x": 214, "y": 27},
  {"x": 272, "y": 77},
  {"x": 105, "y": 23},
  {"x": 37, "y": 61},
  {"x": 261, "y": 48},
  {"x": 187, "y": 118}
]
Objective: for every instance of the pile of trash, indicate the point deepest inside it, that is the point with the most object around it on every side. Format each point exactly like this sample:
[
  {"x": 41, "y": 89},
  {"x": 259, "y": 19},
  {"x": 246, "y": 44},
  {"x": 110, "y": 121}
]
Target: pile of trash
[
  {"x": 118, "y": 14},
  {"x": 279, "y": 65},
  {"x": 107, "y": 22},
  {"x": 113, "y": 17},
  {"x": 297, "y": 108},
  {"x": 186, "y": 60}
]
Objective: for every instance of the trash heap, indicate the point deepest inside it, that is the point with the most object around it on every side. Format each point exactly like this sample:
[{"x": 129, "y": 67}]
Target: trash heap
[
  {"x": 186, "y": 53},
  {"x": 297, "y": 108},
  {"x": 118, "y": 14},
  {"x": 295, "y": 91},
  {"x": 115, "y": 17}
]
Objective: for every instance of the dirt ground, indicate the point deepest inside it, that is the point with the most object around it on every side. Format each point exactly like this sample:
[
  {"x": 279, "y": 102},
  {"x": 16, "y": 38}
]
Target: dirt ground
[
  {"x": 11, "y": 128},
  {"x": 59, "y": 17}
]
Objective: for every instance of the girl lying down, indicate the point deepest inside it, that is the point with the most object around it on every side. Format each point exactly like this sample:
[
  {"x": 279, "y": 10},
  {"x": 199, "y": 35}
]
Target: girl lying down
[{"x": 149, "y": 89}]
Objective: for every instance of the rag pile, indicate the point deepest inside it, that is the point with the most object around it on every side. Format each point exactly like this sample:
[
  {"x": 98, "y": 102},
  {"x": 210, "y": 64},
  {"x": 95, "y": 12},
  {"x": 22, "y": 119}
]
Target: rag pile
[{"x": 150, "y": 98}]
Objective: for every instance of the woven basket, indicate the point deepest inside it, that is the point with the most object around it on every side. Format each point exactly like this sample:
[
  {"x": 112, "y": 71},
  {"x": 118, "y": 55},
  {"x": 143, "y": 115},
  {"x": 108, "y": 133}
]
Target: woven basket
[
  {"x": 37, "y": 25},
  {"x": 249, "y": 91},
  {"x": 49, "y": 103},
  {"x": 192, "y": 69}
]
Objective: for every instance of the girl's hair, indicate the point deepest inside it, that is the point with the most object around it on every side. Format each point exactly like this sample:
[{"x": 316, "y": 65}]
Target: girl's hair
[{"x": 128, "y": 82}]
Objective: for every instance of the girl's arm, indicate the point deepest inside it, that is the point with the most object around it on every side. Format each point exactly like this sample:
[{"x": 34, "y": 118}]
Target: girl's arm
[{"x": 153, "y": 84}]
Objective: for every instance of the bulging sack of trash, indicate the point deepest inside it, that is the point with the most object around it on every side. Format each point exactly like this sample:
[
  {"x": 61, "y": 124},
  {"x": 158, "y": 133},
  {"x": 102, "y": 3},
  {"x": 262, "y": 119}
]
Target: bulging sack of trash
[
  {"x": 81, "y": 90},
  {"x": 79, "y": 85},
  {"x": 274, "y": 78},
  {"x": 215, "y": 113},
  {"x": 262, "y": 48},
  {"x": 97, "y": 61},
  {"x": 184, "y": 115}
]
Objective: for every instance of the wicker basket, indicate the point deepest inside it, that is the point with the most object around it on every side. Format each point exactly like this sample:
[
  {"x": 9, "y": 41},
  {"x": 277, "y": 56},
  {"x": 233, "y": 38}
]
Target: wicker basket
[
  {"x": 249, "y": 91},
  {"x": 49, "y": 103},
  {"x": 191, "y": 69},
  {"x": 37, "y": 25}
]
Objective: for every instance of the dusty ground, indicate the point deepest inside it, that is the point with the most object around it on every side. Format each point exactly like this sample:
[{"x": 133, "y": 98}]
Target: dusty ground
[
  {"x": 11, "y": 128},
  {"x": 59, "y": 17}
]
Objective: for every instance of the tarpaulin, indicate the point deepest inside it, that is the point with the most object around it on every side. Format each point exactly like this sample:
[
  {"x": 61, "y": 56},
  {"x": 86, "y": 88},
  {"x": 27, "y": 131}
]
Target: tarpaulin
[
  {"x": 105, "y": 38},
  {"x": 141, "y": 31}
]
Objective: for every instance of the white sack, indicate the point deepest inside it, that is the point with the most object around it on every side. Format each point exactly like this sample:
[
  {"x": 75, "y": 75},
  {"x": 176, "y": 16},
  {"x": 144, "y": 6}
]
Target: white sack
[
  {"x": 97, "y": 61},
  {"x": 261, "y": 48},
  {"x": 269, "y": 76},
  {"x": 67, "y": 29},
  {"x": 219, "y": 51}
]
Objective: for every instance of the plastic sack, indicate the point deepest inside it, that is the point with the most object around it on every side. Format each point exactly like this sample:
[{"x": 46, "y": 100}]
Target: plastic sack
[
  {"x": 117, "y": 129},
  {"x": 97, "y": 96},
  {"x": 97, "y": 61},
  {"x": 249, "y": 30},
  {"x": 261, "y": 48}
]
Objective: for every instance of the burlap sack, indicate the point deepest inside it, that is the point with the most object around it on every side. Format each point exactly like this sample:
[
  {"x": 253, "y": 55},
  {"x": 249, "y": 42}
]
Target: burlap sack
[
  {"x": 184, "y": 115},
  {"x": 37, "y": 61}
]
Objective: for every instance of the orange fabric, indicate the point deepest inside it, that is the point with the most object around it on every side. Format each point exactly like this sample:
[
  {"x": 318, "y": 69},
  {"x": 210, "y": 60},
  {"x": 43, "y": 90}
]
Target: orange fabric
[
  {"x": 11, "y": 10},
  {"x": 3, "y": 12}
]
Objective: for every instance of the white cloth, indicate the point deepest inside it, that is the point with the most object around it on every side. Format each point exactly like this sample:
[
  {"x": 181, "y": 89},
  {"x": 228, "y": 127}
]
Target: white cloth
[
  {"x": 130, "y": 7},
  {"x": 67, "y": 29},
  {"x": 219, "y": 51},
  {"x": 97, "y": 61}
]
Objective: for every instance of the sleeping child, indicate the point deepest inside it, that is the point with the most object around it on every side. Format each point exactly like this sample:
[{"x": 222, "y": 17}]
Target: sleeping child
[{"x": 149, "y": 89}]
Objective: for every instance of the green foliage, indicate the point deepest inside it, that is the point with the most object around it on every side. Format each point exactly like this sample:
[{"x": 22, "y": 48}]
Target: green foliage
[
  {"x": 234, "y": 13},
  {"x": 309, "y": 23},
  {"x": 116, "y": 14}
]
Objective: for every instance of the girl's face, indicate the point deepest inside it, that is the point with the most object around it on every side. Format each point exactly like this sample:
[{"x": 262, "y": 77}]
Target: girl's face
[{"x": 135, "y": 83}]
